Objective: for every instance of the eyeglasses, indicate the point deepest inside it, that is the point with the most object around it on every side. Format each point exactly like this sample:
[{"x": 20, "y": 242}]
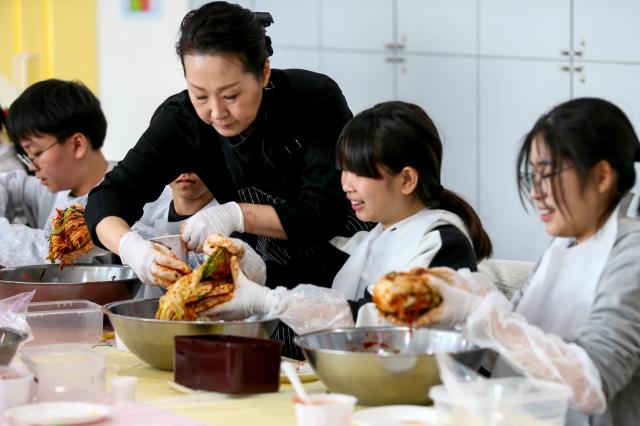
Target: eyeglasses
[
  {"x": 30, "y": 160},
  {"x": 536, "y": 180}
]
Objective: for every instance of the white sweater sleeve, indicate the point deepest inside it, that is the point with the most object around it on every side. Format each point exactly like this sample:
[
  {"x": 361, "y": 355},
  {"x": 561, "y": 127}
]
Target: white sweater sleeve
[{"x": 22, "y": 194}]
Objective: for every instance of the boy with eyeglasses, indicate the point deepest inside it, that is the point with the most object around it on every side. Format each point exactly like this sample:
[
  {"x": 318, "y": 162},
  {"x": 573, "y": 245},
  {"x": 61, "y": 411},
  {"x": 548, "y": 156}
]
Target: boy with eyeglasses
[{"x": 61, "y": 127}]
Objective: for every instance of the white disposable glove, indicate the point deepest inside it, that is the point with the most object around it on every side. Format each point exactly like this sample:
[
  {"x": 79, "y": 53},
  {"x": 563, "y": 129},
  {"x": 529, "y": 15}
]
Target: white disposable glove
[
  {"x": 306, "y": 308},
  {"x": 461, "y": 293},
  {"x": 223, "y": 219},
  {"x": 249, "y": 298},
  {"x": 457, "y": 304},
  {"x": 151, "y": 262},
  {"x": 252, "y": 265}
]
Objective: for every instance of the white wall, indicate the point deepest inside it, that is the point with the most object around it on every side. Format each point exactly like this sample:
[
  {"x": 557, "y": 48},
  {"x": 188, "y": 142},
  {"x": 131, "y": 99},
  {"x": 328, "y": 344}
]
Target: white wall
[
  {"x": 486, "y": 76},
  {"x": 138, "y": 68}
]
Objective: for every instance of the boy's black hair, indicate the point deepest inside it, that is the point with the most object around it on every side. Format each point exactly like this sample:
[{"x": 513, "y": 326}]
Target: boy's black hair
[{"x": 58, "y": 108}]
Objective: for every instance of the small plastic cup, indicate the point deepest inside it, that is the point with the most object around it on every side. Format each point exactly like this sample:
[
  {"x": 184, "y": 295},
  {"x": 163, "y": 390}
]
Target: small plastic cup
[
  {"x": 325, "y": 410},
  {"x": 15, "y": 387},
  {"x": 123, "y": 388}
]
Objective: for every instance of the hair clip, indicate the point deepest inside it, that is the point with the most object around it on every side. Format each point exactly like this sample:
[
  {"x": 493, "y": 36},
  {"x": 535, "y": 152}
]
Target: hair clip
[{"x": 264, "y": 18}]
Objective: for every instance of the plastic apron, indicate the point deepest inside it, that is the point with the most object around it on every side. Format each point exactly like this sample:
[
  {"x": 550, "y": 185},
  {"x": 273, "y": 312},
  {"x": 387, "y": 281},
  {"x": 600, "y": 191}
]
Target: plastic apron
[{"x": 561, "y": 292}]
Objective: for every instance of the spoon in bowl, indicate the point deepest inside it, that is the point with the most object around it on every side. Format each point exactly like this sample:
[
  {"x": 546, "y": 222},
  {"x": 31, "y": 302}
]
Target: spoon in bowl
[{"x": 290, "y": 370}]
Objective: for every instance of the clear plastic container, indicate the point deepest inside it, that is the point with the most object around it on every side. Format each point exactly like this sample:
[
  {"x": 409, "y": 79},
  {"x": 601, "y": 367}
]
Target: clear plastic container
[
  {"x": 65, "y": 321},
  {"x": 500, "y": 402},
  {"x": 66, "y": 372}
]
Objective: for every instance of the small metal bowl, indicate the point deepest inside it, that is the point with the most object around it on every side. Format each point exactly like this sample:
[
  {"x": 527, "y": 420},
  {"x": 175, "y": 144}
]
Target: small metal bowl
[
  {"x": 152, "y": 340},
  {"x": 384, "y": 365},
  {"x": 98, "y": 283},
  {"x": 10, "y": 340}
]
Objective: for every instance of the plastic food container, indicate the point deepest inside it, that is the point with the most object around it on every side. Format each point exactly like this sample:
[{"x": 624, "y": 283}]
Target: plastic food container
[
  {"x": 229, "y": 364},
  {"x": 67, "y": 372},
  {"x": 65, "y": 321},
  {"x": 510, "y": 401}
]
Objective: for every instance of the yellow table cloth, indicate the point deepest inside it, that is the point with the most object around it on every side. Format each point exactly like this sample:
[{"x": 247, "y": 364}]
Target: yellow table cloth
[{"x": 212, "y": 408}]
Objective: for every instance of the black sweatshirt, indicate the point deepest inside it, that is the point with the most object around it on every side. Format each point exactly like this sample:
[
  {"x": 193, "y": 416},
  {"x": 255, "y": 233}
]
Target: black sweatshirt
[{"x": 288, "y": 161}]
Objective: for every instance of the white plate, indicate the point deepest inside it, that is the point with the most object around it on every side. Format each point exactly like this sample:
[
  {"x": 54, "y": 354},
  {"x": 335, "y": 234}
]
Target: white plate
[
  {"x": 414, "y": 415},
  {"x": 58, "y": 413},
  {"x": 304, "y": 370}
]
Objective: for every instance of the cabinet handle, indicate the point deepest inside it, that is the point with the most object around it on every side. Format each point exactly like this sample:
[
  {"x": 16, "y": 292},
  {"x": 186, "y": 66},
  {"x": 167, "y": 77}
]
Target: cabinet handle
[
  {"x": 394, "y": 60},
  {"x": 394, "y": 46},
  {"x": 578, "y": 69},
  {"x": 566, "y": 52},
  {"x": 565, "y": 68}
]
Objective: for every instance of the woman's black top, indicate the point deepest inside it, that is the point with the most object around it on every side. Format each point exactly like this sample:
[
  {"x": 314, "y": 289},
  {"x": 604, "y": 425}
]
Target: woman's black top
[{"x": 288, "y": 161}]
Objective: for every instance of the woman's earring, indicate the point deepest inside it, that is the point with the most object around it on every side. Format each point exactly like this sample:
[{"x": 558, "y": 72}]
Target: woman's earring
[{"x": 269, "y": 85}]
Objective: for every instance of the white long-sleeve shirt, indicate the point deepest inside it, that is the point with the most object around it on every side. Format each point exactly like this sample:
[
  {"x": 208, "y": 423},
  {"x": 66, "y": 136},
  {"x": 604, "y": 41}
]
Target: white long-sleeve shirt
[{"x": 23, "y": 195}]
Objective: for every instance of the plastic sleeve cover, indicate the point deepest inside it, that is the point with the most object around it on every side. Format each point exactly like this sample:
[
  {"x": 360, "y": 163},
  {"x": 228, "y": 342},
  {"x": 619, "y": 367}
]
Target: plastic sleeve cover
[{"x": 537, "y": 354}]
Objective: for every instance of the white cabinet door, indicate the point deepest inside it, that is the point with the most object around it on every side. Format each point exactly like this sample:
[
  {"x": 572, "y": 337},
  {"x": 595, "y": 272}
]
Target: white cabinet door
[
  {"x": 446, "y": 88},
  {"x": 617, "y": 83},
  {"x": 525, "y": 28},
  {"x": 607, "y": 30},
  {"x": 513, "y": 94},
  {"x": 438, "y": 26},
  {"x": 289, "y": 57},
  {"x": 365, "y": 78},
  {"x": 357, "y": 24},
  {"x": 295, "y": 22}
]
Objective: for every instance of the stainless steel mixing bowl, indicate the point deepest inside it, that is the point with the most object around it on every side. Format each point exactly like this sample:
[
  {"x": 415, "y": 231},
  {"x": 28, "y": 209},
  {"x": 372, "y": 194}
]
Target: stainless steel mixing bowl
[
  {"x": 98, "y": 283},
  {"x": 9, "y": 341},
  {"x": 384, "y": 365},
  {"x": 152, "y": 340}
]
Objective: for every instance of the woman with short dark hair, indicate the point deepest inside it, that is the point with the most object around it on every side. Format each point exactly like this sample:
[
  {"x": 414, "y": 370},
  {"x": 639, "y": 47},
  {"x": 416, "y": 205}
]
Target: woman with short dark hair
[{"x": 262, "y": 140}]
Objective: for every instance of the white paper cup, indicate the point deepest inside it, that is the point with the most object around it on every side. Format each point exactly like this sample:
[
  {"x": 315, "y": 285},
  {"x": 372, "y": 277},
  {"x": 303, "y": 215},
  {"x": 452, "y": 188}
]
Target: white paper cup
[
  {"x": 123, "y": 388},
  {"x": 16, "y": 389},
  {"x": 325, "y": 410}
]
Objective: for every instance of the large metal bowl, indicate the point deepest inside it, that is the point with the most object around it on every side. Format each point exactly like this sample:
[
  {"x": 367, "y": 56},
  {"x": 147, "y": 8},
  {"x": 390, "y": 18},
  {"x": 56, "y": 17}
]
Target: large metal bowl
[
  {"x": 384, "y": 365},
  {"x": 152, "y": 340},
  {"x": 98, "y": 283}
]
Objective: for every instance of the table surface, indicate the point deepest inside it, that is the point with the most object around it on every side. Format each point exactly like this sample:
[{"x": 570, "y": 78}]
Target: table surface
[{"x": 211, "y": 408}]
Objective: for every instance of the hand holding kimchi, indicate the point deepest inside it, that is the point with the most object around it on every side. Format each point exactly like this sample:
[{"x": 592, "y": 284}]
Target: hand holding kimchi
[
  {"x": 408, "y": 297},
  {"x": 70, "y": 238},
  {"x": 205, "y": 287}
]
